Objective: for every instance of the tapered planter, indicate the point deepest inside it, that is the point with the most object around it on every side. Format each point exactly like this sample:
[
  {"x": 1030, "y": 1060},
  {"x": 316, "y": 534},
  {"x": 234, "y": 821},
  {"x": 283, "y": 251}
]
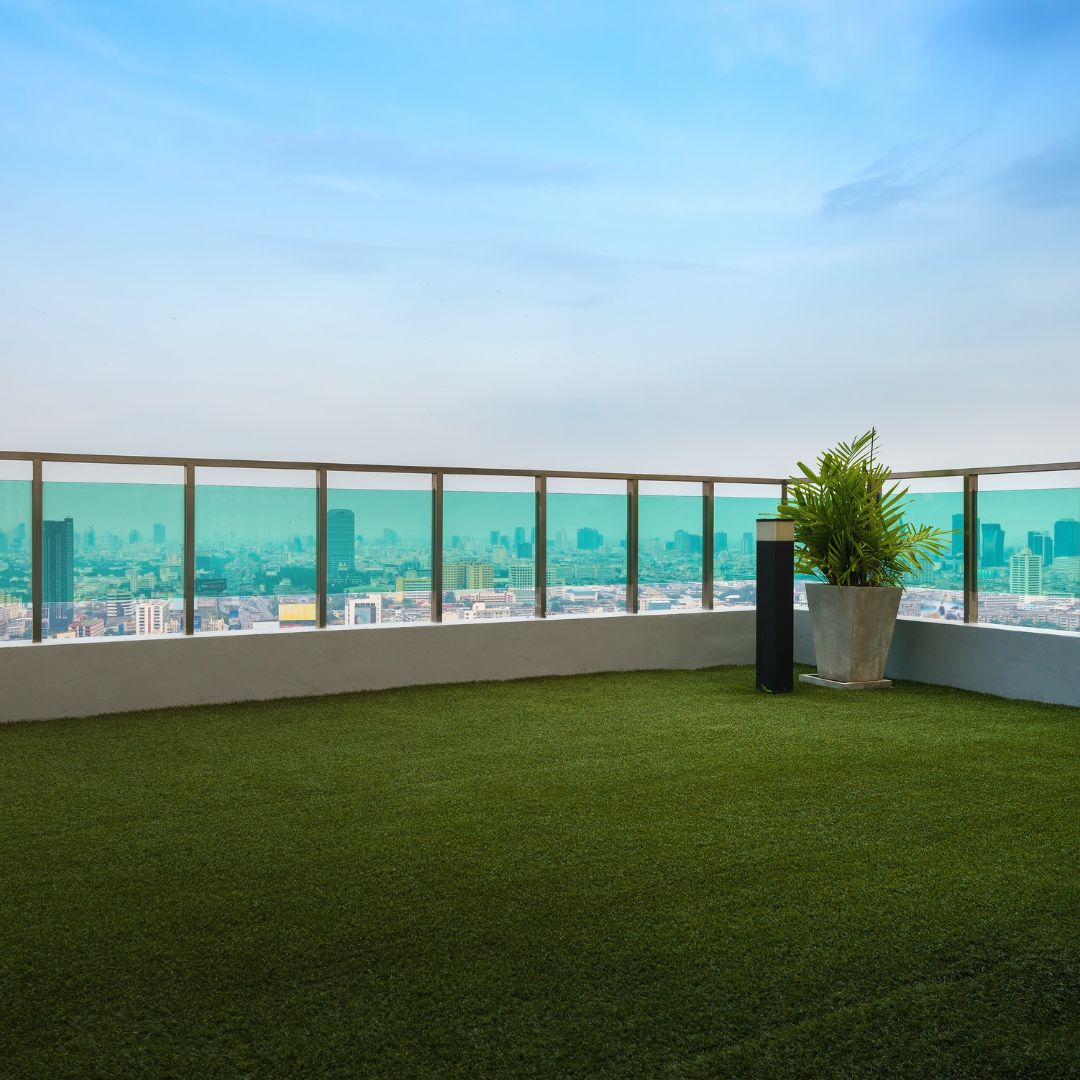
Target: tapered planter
[{"x": 853, "y": 628}]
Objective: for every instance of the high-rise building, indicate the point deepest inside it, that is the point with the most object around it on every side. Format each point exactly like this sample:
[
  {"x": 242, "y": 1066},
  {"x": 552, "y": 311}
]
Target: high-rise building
[
  {"x": 150, "y": 617},
  {"x": 589, "y": 539},
  {"x": 749, "y": 543},
  {"x": 159, "y": 533},
  {"x": 413, "y": 585},
  {"x": 523, "y": 575},
  {"x": 519, "y": 536},
  {"x": 390, "y": 537},
  {"x": 134, "y": 537},
  {"x": 958, "y": 536},
  {"x": 1025, "y": 573},
  {"x": 453, "y": 576},
  {"x": 58, "y": 571},
  {"x": 1041, "y": 544},
  {"x": 1066, "y": 538},
  {"x": 687, "y": 543},
  {"x": 340, "y": 545},
  {"x": 479, "y": 575},
  {"x": 720, "y": 541},
  {"x": 992, "y": 550}
]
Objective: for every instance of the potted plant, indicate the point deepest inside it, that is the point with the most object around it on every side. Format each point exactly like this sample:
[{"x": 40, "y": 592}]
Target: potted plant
[{"x": 850, "y": 534}]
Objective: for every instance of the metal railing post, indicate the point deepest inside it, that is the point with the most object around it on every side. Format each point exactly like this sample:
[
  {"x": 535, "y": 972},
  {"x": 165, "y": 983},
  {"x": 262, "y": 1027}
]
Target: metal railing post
[
  {"x": 436, "y": 547},
  {"x": 320, "y": 548},
  {"x": 540, "y": 547},
  {"x": 37, "y": 552},
  {"x": 708, "y": 492},
  {"x": 971, "y": 549},
  {"x": 189, "y": 550},
  {"x": 631, "y": 547}
]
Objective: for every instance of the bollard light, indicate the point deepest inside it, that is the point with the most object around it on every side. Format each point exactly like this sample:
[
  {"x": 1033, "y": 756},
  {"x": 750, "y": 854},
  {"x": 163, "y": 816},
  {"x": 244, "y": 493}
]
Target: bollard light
[{"x": 775, "y": 604}]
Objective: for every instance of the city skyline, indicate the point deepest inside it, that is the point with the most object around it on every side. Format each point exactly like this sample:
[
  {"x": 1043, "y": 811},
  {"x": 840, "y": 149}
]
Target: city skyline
[{"x": 111, "y": 567}]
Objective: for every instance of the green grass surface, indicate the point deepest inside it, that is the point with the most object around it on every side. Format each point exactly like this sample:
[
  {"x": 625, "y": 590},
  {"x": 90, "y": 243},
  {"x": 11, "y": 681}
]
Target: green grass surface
[{"x": 657, "y": 874}]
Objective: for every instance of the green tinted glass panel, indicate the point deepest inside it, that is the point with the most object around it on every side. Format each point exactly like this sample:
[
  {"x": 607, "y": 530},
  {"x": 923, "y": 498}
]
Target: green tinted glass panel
[
  {"x": 1029, "y": 557},
  {"x": 669, "y": 552},
  {"x": 378, "y": 556},
  {"x": 254, "y": 558},
  {"x": 15, "y": 613},
  {"x": 489, "y": 569},
  {"x": 112, "y": 559},
  {"x": 735, "y": 547},
  {"x": 936, "y": 591},
  {"x": 586, "y": 554}
]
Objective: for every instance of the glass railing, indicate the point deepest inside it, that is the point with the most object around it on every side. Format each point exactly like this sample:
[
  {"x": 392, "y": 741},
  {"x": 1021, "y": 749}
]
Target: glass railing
[
  {"x": 378, "y": 549},
  {"x": 16, "y": 593},
  {"x": 735, "y": 516},
  {"x": 936, "y": 591},
  {"x": 671, "y": 547},
  {"x": 125, "y": 547},
  {"x": 255, "y": 550},
  {"x": 586, "y": 547},
  {"x": 112, "y": 551},
  {"x": 488, "y": 548},
  {"x": 1028, "y": 531}
]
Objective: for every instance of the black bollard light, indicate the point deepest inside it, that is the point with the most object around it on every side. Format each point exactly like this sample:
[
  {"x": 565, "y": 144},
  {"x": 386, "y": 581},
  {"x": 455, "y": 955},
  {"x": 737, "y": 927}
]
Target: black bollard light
[{"x": 775, "y": 604}]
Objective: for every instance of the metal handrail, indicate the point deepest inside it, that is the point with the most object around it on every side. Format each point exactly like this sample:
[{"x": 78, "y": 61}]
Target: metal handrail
[
  {"x": 992, "y": 470},
  {"x": 472, "y": 470},
  {"x": 344, "y": 466}
]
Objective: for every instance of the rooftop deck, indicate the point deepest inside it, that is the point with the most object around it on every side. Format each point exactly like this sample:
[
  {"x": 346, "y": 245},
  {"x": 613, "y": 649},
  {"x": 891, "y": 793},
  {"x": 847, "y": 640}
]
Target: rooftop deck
[{"x": 659, "y": 873}]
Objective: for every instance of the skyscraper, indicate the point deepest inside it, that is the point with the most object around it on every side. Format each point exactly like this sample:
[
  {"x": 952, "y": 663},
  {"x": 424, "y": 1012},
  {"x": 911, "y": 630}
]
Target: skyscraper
[
  {"x": 958, "y": 536},
  {"x": 589, "y": 539},
  {"x": 1025, "y": 573},
  {"x": 992, "y": 550},
  {"x": 340, "y": 545},
  {"x": 1041, "y": 544},
  {"x": 58, "y": 572},
  {"x": 1066, "y": 538},
  {"x": 159, "y": 533}
]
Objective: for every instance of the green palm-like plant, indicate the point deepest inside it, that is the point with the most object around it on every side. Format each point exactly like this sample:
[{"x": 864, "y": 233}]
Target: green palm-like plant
[{"x": 850, "y": 528}]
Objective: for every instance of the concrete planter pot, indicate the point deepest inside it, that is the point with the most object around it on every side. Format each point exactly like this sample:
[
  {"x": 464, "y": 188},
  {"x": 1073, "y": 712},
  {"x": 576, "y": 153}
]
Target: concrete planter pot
[{"x": 853, "y": 628}]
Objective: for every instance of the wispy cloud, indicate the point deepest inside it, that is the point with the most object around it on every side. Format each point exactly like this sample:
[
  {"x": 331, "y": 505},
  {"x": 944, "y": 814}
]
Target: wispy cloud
[
  {"x": 903, "y": 175},
  {"x": 1050, "y": 178},
  {"x": 897, "y": 177},
  {"x": 349, "y": 160}
]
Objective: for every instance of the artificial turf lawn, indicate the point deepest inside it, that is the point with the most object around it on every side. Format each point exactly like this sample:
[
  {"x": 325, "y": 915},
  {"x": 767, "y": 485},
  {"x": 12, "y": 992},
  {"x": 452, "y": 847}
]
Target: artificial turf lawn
[{"x": 653, "y": 874}]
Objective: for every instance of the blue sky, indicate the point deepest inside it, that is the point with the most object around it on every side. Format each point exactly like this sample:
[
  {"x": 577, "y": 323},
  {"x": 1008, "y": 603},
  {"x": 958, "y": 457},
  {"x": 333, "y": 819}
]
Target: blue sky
[{"x": 690, "y": 236}]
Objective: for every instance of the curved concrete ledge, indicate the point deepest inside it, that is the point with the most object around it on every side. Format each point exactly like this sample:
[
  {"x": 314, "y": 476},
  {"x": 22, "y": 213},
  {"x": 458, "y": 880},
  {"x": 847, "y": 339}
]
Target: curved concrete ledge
[
  {"x": 1036, "y": 665},
  {"x": 44, "y": 682}
]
